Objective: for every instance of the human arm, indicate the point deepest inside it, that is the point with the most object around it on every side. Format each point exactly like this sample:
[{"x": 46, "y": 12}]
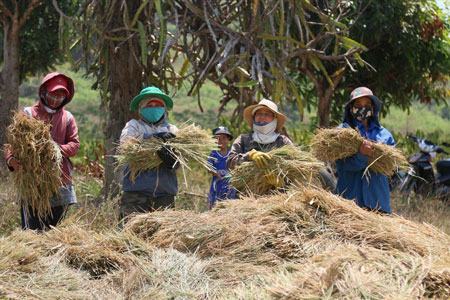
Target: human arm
[
  {"x": 237, "y": 155},
  {"x": 11, "y": 162},
  {"x": 72, "y": 145}
]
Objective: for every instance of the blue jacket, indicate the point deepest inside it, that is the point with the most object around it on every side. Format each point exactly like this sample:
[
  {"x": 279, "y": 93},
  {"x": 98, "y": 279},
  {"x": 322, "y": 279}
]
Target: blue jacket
[
  {"x": 157, "y": 182},
  {"x": 372, "y": 190}
]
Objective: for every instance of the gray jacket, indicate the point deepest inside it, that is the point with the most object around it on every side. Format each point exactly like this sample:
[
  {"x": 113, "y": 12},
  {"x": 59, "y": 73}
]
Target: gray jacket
[{"x": 245, "y": 142}]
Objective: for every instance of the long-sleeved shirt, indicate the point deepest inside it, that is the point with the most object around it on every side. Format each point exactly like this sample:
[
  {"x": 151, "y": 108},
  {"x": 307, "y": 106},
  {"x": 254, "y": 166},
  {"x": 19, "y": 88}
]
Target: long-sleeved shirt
[
  {"x": 64, "y": 132},
  {"x": 160, "y": 181},
  {"x": 371, "y": 190},
  {"x": 245, "y": 142}
]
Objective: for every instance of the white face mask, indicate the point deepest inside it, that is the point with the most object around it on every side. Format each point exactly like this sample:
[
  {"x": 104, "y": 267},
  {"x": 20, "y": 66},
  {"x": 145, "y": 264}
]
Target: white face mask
[
  {"x": 266, "y": 129},
  {"x": 49, "y": 110},
  {"x": 265, "y": 134}
]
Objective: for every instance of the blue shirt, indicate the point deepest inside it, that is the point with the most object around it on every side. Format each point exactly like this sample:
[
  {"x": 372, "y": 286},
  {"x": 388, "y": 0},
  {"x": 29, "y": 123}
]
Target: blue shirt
[
  {"x": 370, "y": 190},
  {"x": 220, "y": 189}
]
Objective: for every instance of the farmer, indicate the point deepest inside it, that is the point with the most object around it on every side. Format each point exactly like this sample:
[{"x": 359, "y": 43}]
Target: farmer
[
  {"x": 155, "y": 188},
  {"x": 266, "y": 123},
  {"x": 56, "y": 90},
  {"x": 220, "y": 189},
  {"x": 370, "y": 191}
]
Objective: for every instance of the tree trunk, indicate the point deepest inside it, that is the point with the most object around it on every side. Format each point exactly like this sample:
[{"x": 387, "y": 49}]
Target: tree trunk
[
  {"x": 10, "y": 80},
  {"x": 125, "y": 82},
  {"x": 325, "y": 94},
  {"x": 323, "y": 110}
]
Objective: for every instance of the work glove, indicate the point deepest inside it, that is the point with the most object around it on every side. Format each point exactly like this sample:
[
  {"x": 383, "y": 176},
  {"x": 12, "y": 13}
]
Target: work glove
[
  {"x": 167, "y": 156},
  {"x": 164, "y": 136},
  {"x": 271, "y": 178},
  {"x": 261, "y": 159}
]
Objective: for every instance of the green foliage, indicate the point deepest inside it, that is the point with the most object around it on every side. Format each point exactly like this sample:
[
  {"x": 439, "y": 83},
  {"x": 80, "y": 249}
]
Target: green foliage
[
  {"x": 409, "y": 48},
  {"x": 426, "y": 118},
  {"x": 40, "y": 39}
]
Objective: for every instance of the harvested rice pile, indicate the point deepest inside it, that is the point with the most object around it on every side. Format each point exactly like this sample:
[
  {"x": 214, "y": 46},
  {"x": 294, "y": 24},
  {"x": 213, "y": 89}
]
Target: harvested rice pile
[
  {"x": 191, "y": 143},
  {"x": 289, "y": 164},
  {"x": 332, "y": 144},
  {"x": 307, "y": 243},
  {"x": 40, "y": 176}
]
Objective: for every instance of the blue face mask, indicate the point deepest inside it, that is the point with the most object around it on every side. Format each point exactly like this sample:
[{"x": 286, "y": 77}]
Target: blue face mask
[{"x": 152, "y": 114}]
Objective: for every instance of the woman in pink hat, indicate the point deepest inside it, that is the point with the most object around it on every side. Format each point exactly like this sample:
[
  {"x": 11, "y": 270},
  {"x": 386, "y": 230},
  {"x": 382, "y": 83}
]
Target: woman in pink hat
[{"x": 55, "y": 92}]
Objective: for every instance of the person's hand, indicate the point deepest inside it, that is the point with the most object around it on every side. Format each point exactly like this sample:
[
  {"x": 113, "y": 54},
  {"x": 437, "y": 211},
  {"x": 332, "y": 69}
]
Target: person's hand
[
  {"x": 273, "y": 179},
  {"x": 261, "y": 159},
  {"x": 167, "y": 157},
  {"x": 14, "y": 163},
  {"x": 366, "y": 148},
  {"x": 164, "y": 136}
]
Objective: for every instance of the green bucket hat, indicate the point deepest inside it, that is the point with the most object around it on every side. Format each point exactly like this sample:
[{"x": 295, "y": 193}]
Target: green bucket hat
[{"x": 150, "y": 91}]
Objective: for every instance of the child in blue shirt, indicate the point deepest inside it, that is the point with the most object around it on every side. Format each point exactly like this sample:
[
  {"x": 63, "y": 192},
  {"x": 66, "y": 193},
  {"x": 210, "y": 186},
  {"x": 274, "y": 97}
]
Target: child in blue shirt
[{"x": 220, "y": 188}]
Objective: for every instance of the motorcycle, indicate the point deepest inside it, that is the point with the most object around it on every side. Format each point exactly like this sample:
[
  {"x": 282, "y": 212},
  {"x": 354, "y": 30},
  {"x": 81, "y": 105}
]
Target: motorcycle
[{"x": 421, "y": 178}]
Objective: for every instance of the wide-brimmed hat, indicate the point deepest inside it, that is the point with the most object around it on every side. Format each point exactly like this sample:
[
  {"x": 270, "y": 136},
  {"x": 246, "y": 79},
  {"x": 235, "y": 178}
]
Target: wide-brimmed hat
[
  {"x": 250, "y": 111},
  {"x": 222, "y": 130},
  {"x": 363, "y": 91},
  {"x": 150, "y": 91}
]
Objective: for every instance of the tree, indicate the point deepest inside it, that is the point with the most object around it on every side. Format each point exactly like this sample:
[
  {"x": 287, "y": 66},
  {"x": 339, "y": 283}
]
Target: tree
[
  {"x": 121, "y": 49},
  {"x": 258, "y": 47},
  {"x": 409, "y": 48},
  {"x": 408, "y": 51},
  {"x": 247, "y": 48},
  {"x": 30, "y": 45}
]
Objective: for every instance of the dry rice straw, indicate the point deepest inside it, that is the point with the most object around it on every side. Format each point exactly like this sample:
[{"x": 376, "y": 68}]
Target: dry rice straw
[
  {"x": 289, "y": 163},
  {"x": 39, "y": 178},
  {"x": 331, "y": 144},
  {"x": 191, "y": 143}
]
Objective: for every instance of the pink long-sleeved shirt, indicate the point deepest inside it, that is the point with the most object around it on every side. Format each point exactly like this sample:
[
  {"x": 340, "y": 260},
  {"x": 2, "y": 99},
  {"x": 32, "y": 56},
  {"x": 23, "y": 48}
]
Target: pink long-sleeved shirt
[{"x": 64, "y": 132}]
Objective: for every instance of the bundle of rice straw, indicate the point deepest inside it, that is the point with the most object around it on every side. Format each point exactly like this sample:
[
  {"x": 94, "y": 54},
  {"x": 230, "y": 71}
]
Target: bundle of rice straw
[
  {"x": 191, "y": 143},
  {"x": 293, "y": 226},
  {"x": 331, "y": 144},
  {"x": 289, "y": 163},
  {"x": 40, "y": 176}
]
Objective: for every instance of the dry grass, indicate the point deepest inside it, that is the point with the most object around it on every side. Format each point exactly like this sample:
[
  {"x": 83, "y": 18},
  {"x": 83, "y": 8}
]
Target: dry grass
[
  {"x": 289, "y": 163},
  {"x": 306, "y": 243},
  {"x": 190, "y": 144},
  {"x": 423, "y": 210},
  {"x": 40, "y": 176},
  {"x": 337, "y": 143}
]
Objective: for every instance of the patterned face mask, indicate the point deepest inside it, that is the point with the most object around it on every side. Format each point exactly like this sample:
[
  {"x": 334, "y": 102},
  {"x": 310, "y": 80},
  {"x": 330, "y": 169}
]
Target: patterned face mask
[
  {"x": 361, "y": 113},
  {"x": 54, "y": 100}
]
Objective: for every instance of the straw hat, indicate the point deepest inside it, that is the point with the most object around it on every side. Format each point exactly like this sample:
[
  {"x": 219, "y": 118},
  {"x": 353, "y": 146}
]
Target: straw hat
[{"x": 249, "y": 112}]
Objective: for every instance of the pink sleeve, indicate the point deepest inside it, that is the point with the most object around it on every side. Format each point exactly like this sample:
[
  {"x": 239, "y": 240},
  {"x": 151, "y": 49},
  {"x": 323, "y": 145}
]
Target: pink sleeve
[
  {"x": 8, "y": 155},
  {"x": 73, "y": 143}
]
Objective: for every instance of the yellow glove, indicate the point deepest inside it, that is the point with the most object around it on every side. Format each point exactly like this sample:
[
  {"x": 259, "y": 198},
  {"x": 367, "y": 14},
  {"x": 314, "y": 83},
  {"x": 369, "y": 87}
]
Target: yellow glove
[
  {"x": 272, "y": 179},
  {"x": 261, "y": 159}
]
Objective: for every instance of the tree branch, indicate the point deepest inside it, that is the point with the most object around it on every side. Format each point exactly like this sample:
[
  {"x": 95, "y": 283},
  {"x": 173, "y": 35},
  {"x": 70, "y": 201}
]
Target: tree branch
[
  {"x": 5, "y": 12},
  {"x": 31, "y": 6},
  {"x": 322, "y": 56}
]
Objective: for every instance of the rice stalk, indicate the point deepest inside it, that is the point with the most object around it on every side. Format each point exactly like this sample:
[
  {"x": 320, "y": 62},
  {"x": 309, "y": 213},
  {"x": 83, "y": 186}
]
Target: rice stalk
[
  {"x": 331, "y": 144},
  {"x": 191, "y": 143},
  {"x": 289, "y": 163},
  {"x": 39, "y": 179}
]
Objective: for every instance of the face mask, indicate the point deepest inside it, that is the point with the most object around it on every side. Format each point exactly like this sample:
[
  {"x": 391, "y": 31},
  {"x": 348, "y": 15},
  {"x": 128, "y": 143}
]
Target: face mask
[
  {"x": 54, "y": 101},
  {"x": 152, "y": 114},
  {"x": 361, "y": 113},
  {"x": 265, "y": 128},
  {"x": 49, "y": 110}
]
